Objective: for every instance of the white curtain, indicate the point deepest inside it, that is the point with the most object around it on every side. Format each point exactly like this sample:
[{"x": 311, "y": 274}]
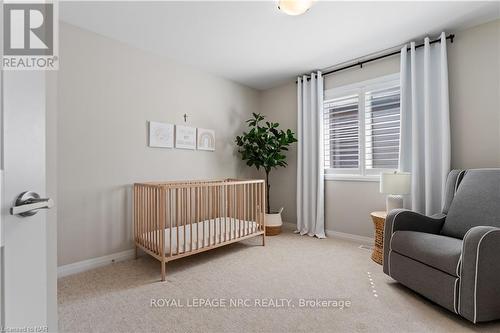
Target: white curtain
[
  {"x": 310, "y": 161},
  {"x": 425, "y": 123}
]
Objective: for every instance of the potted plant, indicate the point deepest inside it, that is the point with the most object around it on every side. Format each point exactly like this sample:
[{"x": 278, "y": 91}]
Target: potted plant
[{"x": 264, "y": 146}]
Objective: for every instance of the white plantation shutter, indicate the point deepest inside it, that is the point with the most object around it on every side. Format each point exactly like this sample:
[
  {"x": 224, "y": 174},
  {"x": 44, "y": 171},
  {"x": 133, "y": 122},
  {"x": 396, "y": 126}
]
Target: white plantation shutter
[
  {"x": 362, "y": 127},
  {"x": 382, "y": 125},
  {"x": 341, "y": 132}
]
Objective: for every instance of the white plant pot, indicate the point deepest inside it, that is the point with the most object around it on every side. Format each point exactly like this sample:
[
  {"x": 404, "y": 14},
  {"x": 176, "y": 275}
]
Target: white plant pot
[
  {"x": 274, "y": 223},
  {"x": 274, "y": 220}
]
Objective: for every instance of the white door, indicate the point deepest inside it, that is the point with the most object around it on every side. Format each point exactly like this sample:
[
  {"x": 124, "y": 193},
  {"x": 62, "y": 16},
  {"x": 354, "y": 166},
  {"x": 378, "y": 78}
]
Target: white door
[
  {"x": 27, "y": 279},
  {"x": 25, "y": 282}
]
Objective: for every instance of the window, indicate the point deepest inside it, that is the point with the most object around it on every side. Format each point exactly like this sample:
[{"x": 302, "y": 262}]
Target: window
[{"x": 361, "y": 127}]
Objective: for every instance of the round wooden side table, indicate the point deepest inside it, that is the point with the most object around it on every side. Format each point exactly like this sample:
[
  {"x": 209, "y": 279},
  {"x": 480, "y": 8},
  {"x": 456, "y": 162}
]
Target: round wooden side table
[{"x": 378, "y": 249}]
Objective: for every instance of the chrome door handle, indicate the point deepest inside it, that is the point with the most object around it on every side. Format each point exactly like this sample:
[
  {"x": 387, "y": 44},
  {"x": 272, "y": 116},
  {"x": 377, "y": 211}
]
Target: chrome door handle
[{"x": 28, "y": 203}]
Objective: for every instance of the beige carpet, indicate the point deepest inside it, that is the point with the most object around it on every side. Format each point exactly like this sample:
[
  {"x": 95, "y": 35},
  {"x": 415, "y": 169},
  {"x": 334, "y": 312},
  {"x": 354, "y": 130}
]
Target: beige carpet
[{"x": 117, "y": 298}]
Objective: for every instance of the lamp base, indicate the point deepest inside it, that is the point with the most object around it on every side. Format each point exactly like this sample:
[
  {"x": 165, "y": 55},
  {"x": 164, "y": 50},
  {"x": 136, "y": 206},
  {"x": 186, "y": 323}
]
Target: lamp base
[{"x": 393, "y": 202}]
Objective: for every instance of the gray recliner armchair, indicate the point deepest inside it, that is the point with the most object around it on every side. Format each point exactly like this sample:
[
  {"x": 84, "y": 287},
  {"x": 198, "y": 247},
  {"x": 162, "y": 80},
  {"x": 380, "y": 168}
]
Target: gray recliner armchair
[{"x": 452, "y": 258}]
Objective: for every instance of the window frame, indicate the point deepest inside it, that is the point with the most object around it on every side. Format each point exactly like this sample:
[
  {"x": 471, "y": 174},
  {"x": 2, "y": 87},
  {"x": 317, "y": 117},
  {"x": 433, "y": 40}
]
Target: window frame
[{"x": 360, "y": 89}]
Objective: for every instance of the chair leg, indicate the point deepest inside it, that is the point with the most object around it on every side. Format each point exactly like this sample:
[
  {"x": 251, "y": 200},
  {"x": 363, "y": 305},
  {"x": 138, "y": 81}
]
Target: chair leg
[{"x": 163, "y": 273}]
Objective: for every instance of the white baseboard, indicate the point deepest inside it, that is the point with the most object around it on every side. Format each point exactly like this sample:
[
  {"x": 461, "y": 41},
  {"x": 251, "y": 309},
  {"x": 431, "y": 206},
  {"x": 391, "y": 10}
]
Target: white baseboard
[
  {"x": 89, "y": 264},
  {"x": 338, "y": 234},
  {"x": 352, "y": 237}
]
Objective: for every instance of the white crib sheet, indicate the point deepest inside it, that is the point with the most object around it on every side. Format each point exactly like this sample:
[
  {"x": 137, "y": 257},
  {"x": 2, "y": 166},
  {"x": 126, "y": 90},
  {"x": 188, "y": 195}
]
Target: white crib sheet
[{"x": 225, "y": 228}]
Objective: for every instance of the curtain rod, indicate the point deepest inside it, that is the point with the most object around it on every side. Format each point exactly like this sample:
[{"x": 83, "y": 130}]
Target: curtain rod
[{"x": 362, "y": 62}]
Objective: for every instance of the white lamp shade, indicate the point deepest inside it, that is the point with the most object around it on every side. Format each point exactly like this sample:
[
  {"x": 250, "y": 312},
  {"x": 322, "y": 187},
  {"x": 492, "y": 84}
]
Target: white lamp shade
[
  {"x": 395, "y": 182},
  {"x": 295, "y": 7}
]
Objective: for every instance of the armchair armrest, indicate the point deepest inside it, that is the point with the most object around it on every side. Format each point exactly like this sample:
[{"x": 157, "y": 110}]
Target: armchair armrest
[
  {"x": 404, "y": 219},
  {"x": 479, "y": 290}
]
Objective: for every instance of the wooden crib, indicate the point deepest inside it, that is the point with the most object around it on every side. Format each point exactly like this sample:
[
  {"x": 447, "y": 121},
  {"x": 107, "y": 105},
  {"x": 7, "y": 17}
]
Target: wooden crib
[{"x": 173, "y": 220}]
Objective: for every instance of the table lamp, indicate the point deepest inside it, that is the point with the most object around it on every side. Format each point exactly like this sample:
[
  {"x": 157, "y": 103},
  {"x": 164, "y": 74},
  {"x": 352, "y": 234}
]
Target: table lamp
[{"x": 394, "y": 184}]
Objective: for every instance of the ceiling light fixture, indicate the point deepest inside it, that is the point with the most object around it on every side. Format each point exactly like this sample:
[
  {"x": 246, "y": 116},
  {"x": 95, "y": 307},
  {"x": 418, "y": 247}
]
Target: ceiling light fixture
[{"x": 294, "y": 7}]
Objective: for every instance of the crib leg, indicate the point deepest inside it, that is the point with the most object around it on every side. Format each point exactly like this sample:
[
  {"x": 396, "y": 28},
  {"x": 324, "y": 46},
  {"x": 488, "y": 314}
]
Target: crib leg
[
  {"x": 163, "y": 274},
  {"x": 264, "y": 239},
  {"x": 136, "y": 252}
]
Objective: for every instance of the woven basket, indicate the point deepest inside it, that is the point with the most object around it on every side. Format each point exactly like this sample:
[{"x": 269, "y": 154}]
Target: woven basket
[{"x": 379, "y": 222}]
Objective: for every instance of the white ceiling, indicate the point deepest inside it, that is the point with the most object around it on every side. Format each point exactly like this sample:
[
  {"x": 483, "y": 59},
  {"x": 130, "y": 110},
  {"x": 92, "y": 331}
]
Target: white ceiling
[{"x": 255, "y": 44}]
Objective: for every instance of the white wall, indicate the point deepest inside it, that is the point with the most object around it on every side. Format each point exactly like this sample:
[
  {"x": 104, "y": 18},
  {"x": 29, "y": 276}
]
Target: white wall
[
  {"x": 280, "y": 105},
  {"x": 474, "y": 79},
  {"x": 107, "y": 91},
  {"x": 474, "y": 73}
]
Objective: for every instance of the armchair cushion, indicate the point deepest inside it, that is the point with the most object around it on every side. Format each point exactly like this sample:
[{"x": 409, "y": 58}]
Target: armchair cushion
[
  {"x": 476, "y": 202},
  {"x": 403, "y": 219},
  {"x": 440, "y": 252}
]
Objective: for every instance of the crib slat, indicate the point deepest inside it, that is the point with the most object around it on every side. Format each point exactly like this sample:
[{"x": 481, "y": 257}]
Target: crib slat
[
  {"x": 204, "y": 217},
  {"x": 181, "y": 221},
  {"x": 148, "y": 212},
  {"x": 177, "y": 215},
  {"x": 232, "y": 220},
  {"x": 224, "y": 210},
  {"x": 157, "y": 221},
  {"x": 245, "y": 209},
  {"x": 252, "y": 214},
  {"x": 143, "y": 216},
  {"x": 185, "y": 219},
  {"x": 256, "y": 205},
  {"x": 226, "y": 213},
  {"x": 238, "y": 210},
  {"x": 198, "y": 216},
  {"x": 264, "y": 205},
  {"x": 248, "y": 209},
  {"x": 146, "y": 216},
  {"x": 151, "y": 219},
  {"x": 154, "y": 220},
  {"x": 240, "y": 206},
  {"x": 261, "y": 193},
  {"x": 190, "y": 222},
  {"x": 151, "y": 216},
  {"x": 242, "y": 210},
  {"x": 162, "y": 223},
  {"x": 214, "y": 205},
  {"x": 218, "y": 214},
  {"x": 170, "y": 212},
  {"x": 210, "y": 213}
]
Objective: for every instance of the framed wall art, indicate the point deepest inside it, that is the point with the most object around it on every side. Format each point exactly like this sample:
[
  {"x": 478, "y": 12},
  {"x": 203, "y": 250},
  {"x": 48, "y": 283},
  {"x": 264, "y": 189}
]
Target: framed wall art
[
  {"x": 206, "y": 139},
  {"x": 185, "y": 137},
  {"x": 161, "y": 135}
]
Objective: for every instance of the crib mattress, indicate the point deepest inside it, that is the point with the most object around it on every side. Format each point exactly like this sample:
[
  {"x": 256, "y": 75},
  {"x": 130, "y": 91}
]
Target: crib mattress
[{"x": 206, "y": 233}]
